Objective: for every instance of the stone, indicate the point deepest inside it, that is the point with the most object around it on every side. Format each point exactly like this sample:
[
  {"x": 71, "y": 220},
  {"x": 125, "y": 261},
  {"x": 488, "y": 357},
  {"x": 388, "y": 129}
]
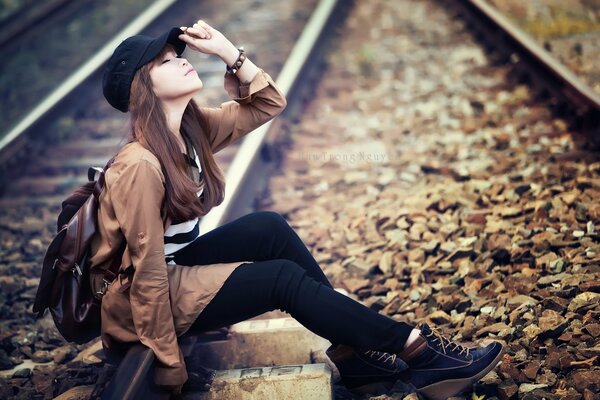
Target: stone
[
  {"x": 430, "y": 247},
  {"x": 359, "y": 268},
  {"x": 532, "y": 331},
  {"x": 497, "y": 328},
  {"x": 590, "y": 286},
  {"x": 586, "y": 380},
  {"x": 549, "y": 279},
  {"x": 551, "y": 324},
  {"x": 531, "y": 369},
  {"x": 414, "y": 295},
  {"x": 22, "y": 373},
  {"x": 5, "y": 362},
  {"x": 77, "y": 393},
  {"x": 93, "y": 354},
  {"x": 385, "y": 263},
  {"x": 491, "y": 378},
  {"x": 478, "y": 217},
  {"x": 41, "y": 356},
  {"x": 558, "y": 358},
  {"x": 584, "y": 299},
  {"x": 507, "y": 389},
  {"x": 63, "y": 354},
  {"x": 353, "y": 284},
  {"x": 592, "y": 329},
  {"x": 520, "y": 300},
  {"x": 439, "y": 317},
  {"x": 530, "y": 387},
  {"x": 411, "y": 396}
]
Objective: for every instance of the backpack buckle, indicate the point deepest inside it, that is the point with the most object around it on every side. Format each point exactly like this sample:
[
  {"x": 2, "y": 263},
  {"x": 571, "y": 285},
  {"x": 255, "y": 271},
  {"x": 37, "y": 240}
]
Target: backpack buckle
[{"x": 102, "y": 290}]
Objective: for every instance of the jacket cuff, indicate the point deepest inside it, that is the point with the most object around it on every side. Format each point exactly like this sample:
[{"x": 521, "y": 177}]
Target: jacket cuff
[
  {"x": 164, "y": 375},
  {"x": 243, "y": 93}
]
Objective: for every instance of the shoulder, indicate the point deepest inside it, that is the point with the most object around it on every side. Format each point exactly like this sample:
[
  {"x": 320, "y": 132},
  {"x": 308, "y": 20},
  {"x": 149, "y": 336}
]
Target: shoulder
[{"x": 134, "y": 160}]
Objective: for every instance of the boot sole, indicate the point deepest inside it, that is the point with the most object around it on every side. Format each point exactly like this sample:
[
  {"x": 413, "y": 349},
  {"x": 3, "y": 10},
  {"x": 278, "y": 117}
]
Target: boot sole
[
  {"x": 375, "y": 388},
  {"x": 450, "y": 387}
]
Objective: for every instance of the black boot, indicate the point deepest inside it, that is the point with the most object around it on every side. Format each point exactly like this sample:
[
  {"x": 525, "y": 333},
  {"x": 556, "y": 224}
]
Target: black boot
[
  {"x": 440, "y": 368},
  {"x": 366, "y": 371}
]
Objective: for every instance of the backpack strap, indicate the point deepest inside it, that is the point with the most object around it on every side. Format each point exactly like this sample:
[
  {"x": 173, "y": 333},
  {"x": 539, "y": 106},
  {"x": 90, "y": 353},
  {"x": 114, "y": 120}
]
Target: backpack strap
[
  {"x": 111, "y": 273},
  {"x": 100, "y": 182}
]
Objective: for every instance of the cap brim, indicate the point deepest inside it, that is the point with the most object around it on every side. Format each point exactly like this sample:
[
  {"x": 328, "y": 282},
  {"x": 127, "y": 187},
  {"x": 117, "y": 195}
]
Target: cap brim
[{"x": 155, "y": 47}]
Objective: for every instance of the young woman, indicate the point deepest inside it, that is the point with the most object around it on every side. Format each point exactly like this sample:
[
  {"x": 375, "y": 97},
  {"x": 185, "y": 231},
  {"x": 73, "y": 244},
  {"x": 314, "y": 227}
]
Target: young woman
[{"x": 175, "y": 280}]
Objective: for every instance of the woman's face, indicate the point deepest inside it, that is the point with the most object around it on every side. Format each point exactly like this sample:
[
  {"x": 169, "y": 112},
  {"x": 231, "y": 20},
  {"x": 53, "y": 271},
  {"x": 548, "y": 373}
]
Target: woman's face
[{"x": 173, "y": 77}]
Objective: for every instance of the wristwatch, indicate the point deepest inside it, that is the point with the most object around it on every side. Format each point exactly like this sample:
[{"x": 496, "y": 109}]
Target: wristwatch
[{"x": 237, "y": 64}]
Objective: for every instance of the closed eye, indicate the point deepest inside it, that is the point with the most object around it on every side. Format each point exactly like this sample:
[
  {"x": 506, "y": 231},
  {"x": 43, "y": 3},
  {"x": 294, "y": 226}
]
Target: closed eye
[{"x": 168, "y": 59}]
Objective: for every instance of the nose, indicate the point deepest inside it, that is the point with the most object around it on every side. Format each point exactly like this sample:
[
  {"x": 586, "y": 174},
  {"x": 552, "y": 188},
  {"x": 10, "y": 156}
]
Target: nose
[{"x": 184, "y": 62}]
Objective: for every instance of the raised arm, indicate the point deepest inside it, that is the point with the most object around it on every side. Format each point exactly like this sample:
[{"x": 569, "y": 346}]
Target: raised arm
[
  {"x": 255, "y": 97},
  {"x": 253, "y": 104}
]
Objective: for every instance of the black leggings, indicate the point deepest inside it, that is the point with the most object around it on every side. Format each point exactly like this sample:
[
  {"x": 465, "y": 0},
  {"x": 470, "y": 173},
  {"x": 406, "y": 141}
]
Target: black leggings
[{"x": 285, "y": 276}]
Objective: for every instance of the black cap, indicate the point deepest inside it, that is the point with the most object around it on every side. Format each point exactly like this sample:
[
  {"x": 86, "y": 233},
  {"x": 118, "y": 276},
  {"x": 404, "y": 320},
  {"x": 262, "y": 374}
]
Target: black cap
[{"x": 127, "y": 58}]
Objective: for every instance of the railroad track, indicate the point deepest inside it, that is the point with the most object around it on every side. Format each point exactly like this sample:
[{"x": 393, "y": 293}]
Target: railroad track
[
  {"x": 574, "y": 99},
  {"x": 256, "y": 159},
  {"x": 49, "y": 54}
]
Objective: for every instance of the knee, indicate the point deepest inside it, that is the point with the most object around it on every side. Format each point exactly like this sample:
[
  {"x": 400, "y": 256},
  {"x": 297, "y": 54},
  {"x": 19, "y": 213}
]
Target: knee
[
  {"x": 289, "y": 268},
  {"x": 288, "y": 279},
  {"x": 276, "y": 271},
  {"x": 270, "y": 221}
]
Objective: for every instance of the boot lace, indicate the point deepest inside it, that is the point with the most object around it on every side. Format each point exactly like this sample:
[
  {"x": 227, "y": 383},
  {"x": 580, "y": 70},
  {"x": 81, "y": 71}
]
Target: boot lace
[
  {"x": 381, "y": 356},
  {"x": 446, "y": 343}
]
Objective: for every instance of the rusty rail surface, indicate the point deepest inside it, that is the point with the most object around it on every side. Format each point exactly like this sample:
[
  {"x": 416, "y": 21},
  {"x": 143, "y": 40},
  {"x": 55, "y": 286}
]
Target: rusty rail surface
[
  {"x": 580, "y": 101},
  {"x": 17, "y": 141}
]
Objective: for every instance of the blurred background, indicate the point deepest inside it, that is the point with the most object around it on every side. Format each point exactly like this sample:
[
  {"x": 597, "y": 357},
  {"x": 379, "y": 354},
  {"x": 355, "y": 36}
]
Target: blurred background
[{"x": 484, "y": 190}]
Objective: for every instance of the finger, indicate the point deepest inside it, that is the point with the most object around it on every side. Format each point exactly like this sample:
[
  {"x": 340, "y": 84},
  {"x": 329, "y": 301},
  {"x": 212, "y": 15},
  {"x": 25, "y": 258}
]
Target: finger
[
  {"x": 202, "y": 29},
  {"x": 203, "y": 25},
  {"x": 186, "y": 39},
  {"x": 199, "y": 32},
  {"x": 201, "y": 22}
]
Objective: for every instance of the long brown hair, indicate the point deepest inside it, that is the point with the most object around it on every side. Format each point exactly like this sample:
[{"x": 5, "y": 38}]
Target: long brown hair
[{"x": 149, "y": 127}]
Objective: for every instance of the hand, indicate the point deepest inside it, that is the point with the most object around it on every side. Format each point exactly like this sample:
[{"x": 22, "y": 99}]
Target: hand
[
  {"x": 175, "y": 391},
  {"x": 206, "y": 39},
  {"x": 201, "y": 379}
]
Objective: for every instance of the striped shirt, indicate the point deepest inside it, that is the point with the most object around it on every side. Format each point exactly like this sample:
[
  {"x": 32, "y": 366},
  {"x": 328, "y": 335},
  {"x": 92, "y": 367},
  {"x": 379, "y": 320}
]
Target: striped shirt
[{"x": 179, "y": 235}]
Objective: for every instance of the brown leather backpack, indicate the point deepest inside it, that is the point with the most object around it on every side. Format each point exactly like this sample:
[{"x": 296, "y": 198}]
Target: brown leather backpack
[{"x": 64, "y": 286}]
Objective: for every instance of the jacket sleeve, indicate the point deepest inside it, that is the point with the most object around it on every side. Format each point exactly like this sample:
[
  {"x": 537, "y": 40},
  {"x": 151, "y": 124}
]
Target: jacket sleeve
[
  {"x": 252, "y": 105},
  {"x": 138, "y": 195}
]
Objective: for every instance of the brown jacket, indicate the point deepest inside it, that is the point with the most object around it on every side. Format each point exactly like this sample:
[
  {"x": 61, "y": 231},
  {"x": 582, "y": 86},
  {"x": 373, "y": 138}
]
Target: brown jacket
[{"x": 164, "y": 300}]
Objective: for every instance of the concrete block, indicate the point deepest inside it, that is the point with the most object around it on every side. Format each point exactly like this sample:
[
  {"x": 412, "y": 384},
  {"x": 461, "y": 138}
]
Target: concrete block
[
  {"x": 271, "y": 314},
  {"x": 260, "y": 343},
  {"x": 286, "y": 382}
]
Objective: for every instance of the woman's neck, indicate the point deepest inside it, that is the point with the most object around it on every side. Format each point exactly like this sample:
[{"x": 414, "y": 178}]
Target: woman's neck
[{"x": 174, "y": 113}]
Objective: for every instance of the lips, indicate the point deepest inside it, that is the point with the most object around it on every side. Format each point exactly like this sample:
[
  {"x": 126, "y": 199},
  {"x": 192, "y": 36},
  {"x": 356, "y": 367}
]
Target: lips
[{"x": 189, "y": 70}]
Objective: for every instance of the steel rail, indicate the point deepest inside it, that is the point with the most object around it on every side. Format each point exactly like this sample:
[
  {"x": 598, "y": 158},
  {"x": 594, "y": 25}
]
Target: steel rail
[
  {"x": 543, "y": 67},
  {"x": 78, "y": 77},
  {"x": 23, "y": 20},
  {"x": 251, "y": 144}
]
